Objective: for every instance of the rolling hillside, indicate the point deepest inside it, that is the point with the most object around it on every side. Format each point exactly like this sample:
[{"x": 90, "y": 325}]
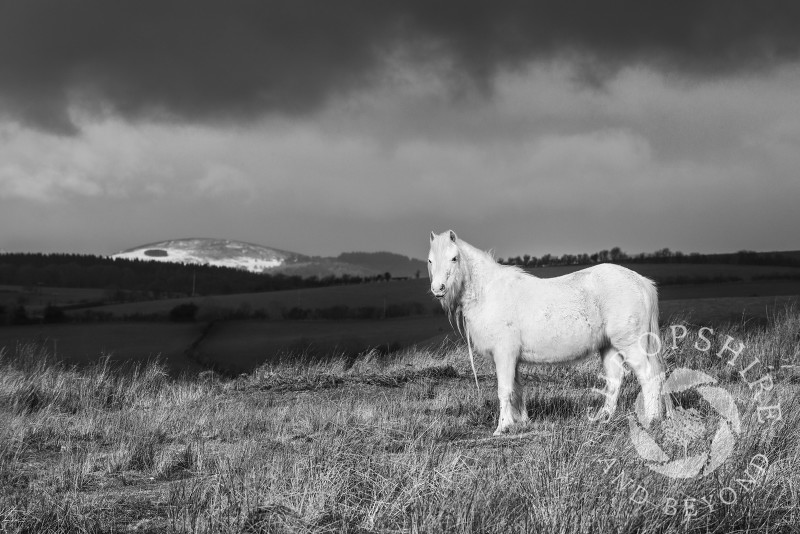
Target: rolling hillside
[{"x": 261, "y": 259}]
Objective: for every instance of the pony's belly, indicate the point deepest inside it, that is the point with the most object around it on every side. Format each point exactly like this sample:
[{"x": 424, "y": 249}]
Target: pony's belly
[
  {"x": 565, "y": 339},
  {"x": 556, "y": 355}
]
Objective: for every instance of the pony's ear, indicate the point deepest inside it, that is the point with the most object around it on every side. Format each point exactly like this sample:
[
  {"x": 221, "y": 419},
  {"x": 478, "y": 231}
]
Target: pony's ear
[
  {"x": 453, "y": 236},
  {"x": 433, "y": 236}
]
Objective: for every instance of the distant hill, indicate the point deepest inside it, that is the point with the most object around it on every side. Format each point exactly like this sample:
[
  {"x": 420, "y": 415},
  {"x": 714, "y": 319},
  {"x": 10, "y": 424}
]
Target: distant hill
[
  {"x": 214, "y": 252},
  {"x": 261, "y": 259},
  {"x": 382, "y": 262}
]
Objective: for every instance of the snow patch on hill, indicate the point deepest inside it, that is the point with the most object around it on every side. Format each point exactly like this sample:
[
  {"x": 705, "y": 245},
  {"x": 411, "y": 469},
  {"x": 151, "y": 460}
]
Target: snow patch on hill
[{"x": 216, "y": 252}]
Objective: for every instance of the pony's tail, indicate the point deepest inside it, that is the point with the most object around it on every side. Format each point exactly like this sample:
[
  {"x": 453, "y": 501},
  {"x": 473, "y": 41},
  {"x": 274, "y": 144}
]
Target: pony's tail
[
  {"x": 653, "y": 343},
  {"x": 654, "y": 348}
]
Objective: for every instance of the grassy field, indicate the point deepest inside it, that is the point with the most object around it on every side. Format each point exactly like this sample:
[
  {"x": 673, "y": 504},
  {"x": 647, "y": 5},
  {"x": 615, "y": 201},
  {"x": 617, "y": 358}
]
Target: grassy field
[
  {"x": 129, "y": 343},
  {"x": 238, "y": 346},
  {"x": 382, "y": 444},
  {"x": 39, "y": 297},
  {"x": 715, "y": 311},
  {"x": 379, "y": 295},
  {"x": 242, "y": 345},
  {"x": 372, "y": 294},
  {"x": 233, "y": 346}
]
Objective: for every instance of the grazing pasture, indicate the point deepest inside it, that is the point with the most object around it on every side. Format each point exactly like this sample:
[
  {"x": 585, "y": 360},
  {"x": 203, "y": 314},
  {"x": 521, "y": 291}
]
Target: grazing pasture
[
  {"x": 121, "y": 343},
  {"x": 239, "y": 346},
  {"x": 381, "y": 295},
  {"x": 273, "y": 303},
  {"x": 40, "y": 296},
  {"x": 737, "y": 309},
  {"x": 381, "y": 444}
]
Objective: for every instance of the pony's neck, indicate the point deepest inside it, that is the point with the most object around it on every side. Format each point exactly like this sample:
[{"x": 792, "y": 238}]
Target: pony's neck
[{"x": 476, "y": 267}]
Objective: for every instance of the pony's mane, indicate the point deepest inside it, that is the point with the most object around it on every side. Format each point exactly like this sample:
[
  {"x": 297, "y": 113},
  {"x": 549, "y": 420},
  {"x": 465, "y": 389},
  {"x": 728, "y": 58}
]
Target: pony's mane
[{"x": 475, "y": 265}]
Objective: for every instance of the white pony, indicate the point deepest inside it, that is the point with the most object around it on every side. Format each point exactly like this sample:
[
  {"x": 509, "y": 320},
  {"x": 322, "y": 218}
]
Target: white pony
[{"x": 515, "y": 317}]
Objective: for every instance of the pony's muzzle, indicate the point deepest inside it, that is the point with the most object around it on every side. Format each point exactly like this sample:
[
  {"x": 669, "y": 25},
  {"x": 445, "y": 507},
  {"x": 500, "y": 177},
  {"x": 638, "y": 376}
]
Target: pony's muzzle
[{"x": 439, "y": 292}]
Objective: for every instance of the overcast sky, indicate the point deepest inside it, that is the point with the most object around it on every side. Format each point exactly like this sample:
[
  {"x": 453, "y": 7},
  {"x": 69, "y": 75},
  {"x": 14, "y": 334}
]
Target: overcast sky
[{"x": 330, "y": 126}]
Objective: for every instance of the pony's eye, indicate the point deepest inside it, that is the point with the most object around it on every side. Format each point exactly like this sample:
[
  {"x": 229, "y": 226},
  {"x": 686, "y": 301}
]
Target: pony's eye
[
  {"x": 429, "y": 261},
  {"x": 455, "y": 258}
]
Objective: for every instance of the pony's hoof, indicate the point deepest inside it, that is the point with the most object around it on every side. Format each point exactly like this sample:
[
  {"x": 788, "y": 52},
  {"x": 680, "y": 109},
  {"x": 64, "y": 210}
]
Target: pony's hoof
[{"x": 603, "y": 415}]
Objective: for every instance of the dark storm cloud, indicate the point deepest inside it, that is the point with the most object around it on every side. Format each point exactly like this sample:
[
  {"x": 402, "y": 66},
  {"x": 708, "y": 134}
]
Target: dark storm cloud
[{"x": 200, "y": 61}]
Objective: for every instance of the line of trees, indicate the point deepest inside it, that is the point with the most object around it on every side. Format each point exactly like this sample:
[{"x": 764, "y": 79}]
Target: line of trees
[
  {"x": 664, "y": 255},
  {"x": 150, "y": 279}
]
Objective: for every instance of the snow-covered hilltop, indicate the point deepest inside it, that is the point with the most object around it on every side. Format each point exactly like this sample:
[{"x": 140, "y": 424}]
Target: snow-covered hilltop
[
  {"x": 261, "y": 259},
  {"x": 216, "y": 252}
]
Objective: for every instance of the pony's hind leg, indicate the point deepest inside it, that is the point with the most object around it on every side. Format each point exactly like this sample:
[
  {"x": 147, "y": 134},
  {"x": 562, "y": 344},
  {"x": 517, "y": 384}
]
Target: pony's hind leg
[
  {"x": 613, "y": 373},
  {"x": 510, "y": 392},
  {"x": 650, "y": 377},
  {"x": 518, "y": 409}
]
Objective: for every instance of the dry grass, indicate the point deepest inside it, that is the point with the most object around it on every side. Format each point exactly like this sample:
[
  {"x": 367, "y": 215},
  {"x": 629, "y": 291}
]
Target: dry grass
[{"x": 379, "y": 444}]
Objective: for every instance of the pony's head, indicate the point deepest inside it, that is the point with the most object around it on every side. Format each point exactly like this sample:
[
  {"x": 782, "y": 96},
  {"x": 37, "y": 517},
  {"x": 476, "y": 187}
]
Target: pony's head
[{"x": 444, "y": 269}]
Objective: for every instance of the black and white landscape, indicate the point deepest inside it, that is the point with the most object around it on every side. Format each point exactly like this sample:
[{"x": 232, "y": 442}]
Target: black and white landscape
[{"x": 215, "y": 306}]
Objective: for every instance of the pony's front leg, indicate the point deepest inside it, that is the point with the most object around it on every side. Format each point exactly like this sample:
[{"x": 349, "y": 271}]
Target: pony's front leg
[{"x": 509, "y": 391}]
